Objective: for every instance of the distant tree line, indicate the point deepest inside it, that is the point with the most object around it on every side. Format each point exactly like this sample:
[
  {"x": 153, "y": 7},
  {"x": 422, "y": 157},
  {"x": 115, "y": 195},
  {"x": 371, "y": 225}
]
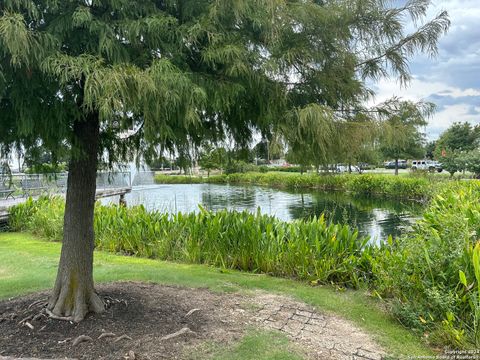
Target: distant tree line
[{"x": 318, "y": 137}]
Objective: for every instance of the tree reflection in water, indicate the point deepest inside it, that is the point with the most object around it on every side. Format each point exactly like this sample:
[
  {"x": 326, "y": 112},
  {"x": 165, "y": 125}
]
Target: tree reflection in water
[{"x": 375, "y": 217}]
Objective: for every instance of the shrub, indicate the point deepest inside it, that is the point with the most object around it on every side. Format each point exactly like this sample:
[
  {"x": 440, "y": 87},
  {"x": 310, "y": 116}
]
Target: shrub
[
  {"x": 239, "y": 166},
  {"x": 412, "y": 187},
  {"x": 472, "y": 162},
  {"x": 43, "y": 217},
  {"x": 288, "y": 169},
  {"x": 176, "y": 179},
  {"x": 420, "y": 272}
]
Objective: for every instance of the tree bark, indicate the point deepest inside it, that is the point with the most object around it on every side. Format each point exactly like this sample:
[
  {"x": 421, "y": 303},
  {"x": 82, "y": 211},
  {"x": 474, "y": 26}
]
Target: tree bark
[
  {"x": 74, "y": 295},
  {"x": 396, "y": 166}
]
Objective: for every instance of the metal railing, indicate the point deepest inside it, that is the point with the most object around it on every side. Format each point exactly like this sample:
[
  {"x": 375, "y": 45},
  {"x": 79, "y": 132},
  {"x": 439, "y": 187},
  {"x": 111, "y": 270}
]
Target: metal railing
[{"x": 25, "y": 185}]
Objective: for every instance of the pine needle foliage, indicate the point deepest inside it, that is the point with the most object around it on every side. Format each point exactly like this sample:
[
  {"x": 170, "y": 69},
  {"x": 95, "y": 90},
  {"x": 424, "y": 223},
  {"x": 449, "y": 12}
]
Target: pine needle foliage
[
  {"x": 123, "y": 77},
  {"x": 179, "y": 71}
]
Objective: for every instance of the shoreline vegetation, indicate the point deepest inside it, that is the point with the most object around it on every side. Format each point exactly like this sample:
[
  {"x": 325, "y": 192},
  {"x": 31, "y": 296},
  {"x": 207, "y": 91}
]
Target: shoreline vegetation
[
  {"x": 313, "y": 250},
  {"x": 428, "y": 278},
  {"x": 31, "y": 265},
  {"x": 418, "y": 187}
]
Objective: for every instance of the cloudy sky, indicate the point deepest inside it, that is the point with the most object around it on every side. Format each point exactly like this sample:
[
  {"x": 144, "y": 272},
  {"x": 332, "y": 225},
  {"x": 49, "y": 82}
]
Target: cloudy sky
[{"x": 452, "y": 79}]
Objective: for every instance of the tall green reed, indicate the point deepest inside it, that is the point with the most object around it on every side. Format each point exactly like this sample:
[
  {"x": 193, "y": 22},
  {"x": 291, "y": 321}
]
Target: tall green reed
[
  {"x": 412, "y": 187},
  {"x": 312, "y": 250},
  {"x": 419, "y": 273}
]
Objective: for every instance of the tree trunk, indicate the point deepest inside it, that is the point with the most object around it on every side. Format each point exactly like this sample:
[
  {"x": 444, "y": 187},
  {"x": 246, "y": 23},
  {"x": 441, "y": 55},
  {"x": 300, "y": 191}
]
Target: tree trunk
[
  {"x": 74, "y": 295},
  {"x": 396, "y": 166}
]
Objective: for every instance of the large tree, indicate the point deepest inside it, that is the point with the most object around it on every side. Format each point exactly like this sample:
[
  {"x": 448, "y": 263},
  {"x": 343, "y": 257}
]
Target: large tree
[
  {"x": 460, "y": 137},
  {"x": 401, "y": 123},
  {"x": 81, "y": 74},
  {"x": 356, "y": 142},
  {"x": 212, "y": 157}
]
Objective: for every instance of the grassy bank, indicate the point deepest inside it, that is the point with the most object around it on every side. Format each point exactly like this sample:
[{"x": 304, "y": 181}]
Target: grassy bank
[
  {"x": 311, "y": 250},
  {"x": 28, "y": 264},
  {"x": 406, "y": 187},
  {"x": 429, "y": 278}
]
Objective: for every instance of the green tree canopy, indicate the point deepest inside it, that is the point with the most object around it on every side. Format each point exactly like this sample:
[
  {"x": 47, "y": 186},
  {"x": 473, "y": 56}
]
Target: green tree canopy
[
  {"x": 453, "y": 162},
  {"x": 211, "y": 157},
  {"x": 459, "y": 136},
  {"x": 401, "y": 135},
  {"x": 108, "y": 79},
  {"x": 356, "y": 140},
  {"x": 471, "y": 162}
]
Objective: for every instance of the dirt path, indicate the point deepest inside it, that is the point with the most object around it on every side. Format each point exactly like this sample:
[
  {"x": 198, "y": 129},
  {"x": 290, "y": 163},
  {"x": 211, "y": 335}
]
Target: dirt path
[{"x": 148, "y": 321}]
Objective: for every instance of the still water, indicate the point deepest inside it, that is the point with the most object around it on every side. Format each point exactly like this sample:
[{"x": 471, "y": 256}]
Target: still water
[{"x": 377, "y": 218}]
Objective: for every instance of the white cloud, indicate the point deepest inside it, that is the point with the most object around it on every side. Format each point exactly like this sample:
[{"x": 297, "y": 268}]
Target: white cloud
[
  {"x": 418, "y": 89},
  {"x": 443, "y": 119},
  {"x": 451, "y": 80},
  {"x": 447, "y": 113}
]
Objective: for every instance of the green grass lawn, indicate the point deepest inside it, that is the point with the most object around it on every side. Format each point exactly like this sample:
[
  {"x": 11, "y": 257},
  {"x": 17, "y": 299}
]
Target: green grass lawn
[
  {"x": 256, "y": 345},
  {"x": 28, "y": 264}
]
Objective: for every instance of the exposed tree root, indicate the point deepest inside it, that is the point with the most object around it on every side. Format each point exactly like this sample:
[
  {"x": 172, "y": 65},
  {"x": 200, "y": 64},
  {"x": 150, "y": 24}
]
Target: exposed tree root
[
  {"x": 123, "y": 337},
  {"x": 191, "y": 312},
  {"x": 39, "y": 315},
  {"x": 81, "y": 339},
  {"x": 180, "y": 332},
  {"x": 38, "y": 302},
  {"x": 64, "y": 341},
  {"x": 105, "y": 335},
  {"x": 109, "y": 301},
  {"x": 53, "y": 316},
  {"x": 71, "y": 300},
  {"x": 29, "y": 317}
]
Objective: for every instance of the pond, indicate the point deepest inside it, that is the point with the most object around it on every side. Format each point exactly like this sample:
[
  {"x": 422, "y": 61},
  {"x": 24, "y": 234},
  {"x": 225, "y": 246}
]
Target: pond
[{"x": 374, "y": 217}]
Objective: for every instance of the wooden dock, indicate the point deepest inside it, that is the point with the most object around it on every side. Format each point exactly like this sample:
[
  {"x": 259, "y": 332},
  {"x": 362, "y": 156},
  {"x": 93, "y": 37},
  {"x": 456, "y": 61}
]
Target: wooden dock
[{"x": 5, "y": 205}]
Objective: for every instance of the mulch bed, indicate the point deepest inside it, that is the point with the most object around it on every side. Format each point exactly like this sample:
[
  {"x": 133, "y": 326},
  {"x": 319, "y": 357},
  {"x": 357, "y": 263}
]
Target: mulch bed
[
  {"x": 142, "y": 321},
  {"x": 151, "y": 321}
]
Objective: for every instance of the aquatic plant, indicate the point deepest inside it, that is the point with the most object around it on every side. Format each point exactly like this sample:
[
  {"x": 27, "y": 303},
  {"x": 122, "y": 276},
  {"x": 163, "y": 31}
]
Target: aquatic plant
[
  {"x": 312, "y": 250},
  {"x": 411, "y": 187},
  {"x": 431, "y": 276}
]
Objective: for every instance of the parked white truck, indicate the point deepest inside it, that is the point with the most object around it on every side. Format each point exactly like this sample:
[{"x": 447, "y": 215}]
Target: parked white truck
[{"x": 426, "y": 165}]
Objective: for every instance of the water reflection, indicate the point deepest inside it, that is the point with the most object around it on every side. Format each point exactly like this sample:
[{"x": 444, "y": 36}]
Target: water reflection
[
  {"x": 378, "y": 218},
  {"x": 375, "y": 217}
]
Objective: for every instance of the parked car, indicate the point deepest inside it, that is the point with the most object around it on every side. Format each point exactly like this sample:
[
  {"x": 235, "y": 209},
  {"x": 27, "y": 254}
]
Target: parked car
[
  {"x": 366, "y": 166},
  {"x": 426, "y": 165},
  {"x": 342, "y": 168},
  {"x": 402, "y": 164}
]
